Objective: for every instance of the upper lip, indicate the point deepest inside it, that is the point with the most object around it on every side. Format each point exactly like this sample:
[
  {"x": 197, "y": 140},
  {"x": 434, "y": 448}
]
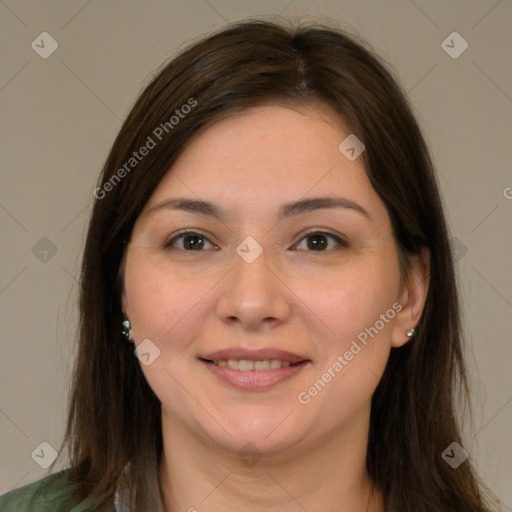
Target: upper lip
[{"x": 253, "y": 355}]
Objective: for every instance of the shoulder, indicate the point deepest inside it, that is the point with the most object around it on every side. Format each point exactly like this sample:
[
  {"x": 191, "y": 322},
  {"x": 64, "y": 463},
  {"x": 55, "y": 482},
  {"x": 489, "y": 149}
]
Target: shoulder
[
  {"x": 54, "y": 493},
  {"x": 51, "y": 493}
]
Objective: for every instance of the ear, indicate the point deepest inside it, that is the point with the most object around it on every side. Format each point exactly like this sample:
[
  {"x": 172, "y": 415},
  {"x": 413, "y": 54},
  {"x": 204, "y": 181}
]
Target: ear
[
  {"x": 412, "y": 298},
  {"x": 121, "y": 273},
  {"x": 123, "y": 307},
  {"x": 124, "y": 303}
]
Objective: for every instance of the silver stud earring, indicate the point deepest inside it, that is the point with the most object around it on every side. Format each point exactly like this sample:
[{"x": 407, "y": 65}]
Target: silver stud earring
[
  {"x": 411, "y": 333},
  {"x": 126, "y": 330}
]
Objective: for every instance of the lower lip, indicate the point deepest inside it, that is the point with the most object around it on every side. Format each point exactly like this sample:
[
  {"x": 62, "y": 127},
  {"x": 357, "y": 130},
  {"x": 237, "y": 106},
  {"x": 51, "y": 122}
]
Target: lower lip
[{"x": 254, "y": 380}]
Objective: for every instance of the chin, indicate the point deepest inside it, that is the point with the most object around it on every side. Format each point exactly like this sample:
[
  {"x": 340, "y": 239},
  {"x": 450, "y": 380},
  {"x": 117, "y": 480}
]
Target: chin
[{"x": 268, "y": 433}]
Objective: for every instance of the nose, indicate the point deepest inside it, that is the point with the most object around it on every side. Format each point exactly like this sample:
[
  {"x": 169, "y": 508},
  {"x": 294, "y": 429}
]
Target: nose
[{"x": 253, "y": 295}]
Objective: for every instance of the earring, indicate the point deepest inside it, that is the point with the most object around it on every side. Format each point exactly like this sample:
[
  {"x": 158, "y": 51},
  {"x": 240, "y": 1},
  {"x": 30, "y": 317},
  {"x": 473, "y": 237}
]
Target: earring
[
  {"x": 411, "y": 333},
  {"x": 126, "y": 330}
]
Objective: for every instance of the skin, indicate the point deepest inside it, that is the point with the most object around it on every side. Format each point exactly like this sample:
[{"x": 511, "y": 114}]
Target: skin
[{"x": 292, "y": 297}]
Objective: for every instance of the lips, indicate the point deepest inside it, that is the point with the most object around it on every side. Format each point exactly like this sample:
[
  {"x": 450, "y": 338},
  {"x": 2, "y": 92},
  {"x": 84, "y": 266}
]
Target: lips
[
  {"x": 262, "y": 354},
  {"x": 253, "y": 370}
]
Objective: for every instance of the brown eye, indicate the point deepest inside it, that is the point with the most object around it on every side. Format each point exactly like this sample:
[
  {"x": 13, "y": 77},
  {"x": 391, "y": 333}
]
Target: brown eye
[
  {"x": 190, "y": 241},
  {"x": 319, "y": 241}
]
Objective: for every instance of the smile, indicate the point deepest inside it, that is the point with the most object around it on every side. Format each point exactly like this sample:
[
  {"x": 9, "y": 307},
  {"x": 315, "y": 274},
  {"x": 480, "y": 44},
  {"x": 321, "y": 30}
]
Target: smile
[
  {"x": 245, "y": 365},
  {"x": 250, "y": 375}
]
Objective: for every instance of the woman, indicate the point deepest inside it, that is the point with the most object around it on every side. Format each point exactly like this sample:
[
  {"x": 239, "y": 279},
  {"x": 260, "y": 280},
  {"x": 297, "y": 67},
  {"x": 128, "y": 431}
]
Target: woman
[{"x": 269, "y": 315}]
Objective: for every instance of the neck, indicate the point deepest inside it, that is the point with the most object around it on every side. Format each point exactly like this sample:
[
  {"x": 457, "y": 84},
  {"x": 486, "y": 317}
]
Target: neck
[{"x": 329, "y": 476}]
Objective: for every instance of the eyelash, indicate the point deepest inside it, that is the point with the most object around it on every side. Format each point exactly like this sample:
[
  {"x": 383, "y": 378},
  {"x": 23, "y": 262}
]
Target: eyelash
[{"x": 169, "y": 244}]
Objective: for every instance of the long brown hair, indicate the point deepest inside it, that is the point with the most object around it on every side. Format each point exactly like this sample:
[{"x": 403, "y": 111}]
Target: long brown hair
[{"x": 114, "y": 426}]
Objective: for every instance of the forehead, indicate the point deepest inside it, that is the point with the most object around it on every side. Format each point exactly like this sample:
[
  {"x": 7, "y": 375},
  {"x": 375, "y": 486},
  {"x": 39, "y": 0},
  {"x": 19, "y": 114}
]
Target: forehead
[{"x": 265, "y": 156}]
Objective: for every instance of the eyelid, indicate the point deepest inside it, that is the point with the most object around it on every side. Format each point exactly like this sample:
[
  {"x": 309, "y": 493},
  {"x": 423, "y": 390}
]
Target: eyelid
[
  {"x": 170, "y": 240},
  {"x": 312, "y": 231},
  {"x": 339, "y": 239}
]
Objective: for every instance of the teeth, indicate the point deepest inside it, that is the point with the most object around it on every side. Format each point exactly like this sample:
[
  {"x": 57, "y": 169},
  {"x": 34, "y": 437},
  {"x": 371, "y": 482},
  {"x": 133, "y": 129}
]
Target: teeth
[
  {"x": 245, "y": 365},
  {"x": 261, "y": 365},
  {"x": 232, "y": 364}
]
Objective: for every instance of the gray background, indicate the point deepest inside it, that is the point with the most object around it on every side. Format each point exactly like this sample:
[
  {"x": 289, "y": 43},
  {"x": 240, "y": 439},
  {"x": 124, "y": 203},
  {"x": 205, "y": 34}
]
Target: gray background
[{"x": 61, "y": 114}]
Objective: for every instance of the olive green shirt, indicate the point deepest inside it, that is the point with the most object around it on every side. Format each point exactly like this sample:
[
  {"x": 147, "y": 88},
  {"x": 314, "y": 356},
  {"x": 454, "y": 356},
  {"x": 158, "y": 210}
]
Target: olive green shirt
[{"x": 54, "y": 493}]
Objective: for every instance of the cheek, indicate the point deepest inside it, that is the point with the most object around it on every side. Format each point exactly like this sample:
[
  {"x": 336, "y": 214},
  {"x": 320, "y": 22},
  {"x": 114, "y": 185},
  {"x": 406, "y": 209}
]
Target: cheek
[
  {"x": 160, "y": 305},
  {"x": 360, "y": 313},
  {"x": 351, "y": 363},
  {"x": 348, "y": 301},
  {"x": 169, "y": 312}
]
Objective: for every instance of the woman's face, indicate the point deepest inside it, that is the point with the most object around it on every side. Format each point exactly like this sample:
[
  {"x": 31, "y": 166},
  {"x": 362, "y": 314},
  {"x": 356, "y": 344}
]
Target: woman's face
[{"x": 271, "y": 320}]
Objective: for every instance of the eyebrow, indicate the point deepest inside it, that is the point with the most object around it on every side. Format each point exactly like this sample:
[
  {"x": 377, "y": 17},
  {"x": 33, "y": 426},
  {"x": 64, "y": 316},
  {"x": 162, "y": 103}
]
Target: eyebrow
[{"x": 209, "y": 209}]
